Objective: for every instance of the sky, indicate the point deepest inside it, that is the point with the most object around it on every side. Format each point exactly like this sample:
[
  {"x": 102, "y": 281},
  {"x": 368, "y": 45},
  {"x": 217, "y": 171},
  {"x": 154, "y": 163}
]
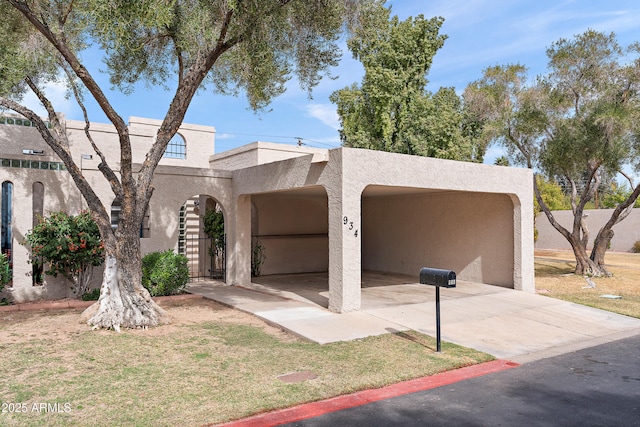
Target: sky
[{"x": 481, "y": 33}]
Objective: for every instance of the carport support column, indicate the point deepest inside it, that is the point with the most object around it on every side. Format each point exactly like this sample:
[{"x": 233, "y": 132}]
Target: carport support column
[
  {"x": 523, "y": 244},
  {"x": 344, "y": 249},
  {"x": 239, "y": 258}
]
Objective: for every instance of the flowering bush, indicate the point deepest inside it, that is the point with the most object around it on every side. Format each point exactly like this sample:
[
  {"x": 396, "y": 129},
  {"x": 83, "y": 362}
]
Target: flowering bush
[{"x": 68, "y": 245}]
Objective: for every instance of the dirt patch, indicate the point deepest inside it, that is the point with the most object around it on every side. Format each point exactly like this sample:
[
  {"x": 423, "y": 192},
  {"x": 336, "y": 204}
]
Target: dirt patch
[{"x": 21, "y": 326}]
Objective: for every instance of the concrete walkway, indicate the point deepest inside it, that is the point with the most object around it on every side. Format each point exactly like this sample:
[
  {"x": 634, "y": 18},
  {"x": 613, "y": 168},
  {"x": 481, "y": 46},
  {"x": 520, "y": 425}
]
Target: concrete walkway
[{"x": 508, "y": 324}]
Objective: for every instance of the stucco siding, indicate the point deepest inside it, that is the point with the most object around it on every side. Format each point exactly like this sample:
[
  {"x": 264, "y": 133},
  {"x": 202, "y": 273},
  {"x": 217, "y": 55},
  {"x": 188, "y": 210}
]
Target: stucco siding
[
  {"x": 59, "y": 194},
  {"x": 258, "y": 153},
  {"x": 469, "y": 233},
  {"x": 174, "y": 187},
  {"x": 293, "y": 230}
]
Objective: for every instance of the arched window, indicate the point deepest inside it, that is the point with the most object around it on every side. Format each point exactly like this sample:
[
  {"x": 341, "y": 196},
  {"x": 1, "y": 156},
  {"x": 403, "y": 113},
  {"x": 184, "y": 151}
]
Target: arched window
[
  {"x": 6, "y": 216},
  {"x": 182, "y": 230},
  {"x": 145, "y": 230},
  {"x": 37, "y": 202},
  {"x": 177, "y": 148},
  {"x": 116, "y": 207},
  {"x": 115, "y": 213},
  {"x": 37, "y": 210}
]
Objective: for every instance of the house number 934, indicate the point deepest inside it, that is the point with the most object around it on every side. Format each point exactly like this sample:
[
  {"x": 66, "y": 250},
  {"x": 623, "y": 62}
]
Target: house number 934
[{"x": 349, "y": 225}]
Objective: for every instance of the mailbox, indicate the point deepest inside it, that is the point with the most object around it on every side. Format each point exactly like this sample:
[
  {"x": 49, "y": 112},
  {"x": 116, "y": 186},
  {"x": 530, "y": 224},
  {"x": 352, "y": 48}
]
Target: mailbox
[{"x": 437, "y": 277}]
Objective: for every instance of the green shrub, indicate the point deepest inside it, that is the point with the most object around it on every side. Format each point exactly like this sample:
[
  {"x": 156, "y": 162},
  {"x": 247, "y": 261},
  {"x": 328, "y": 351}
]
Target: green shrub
[
  {"x": 164, "y": 273},
  {"x": 5, "y": 271},
  {"x": 92, "y": 295},
  {"x": 636, "y": 247}
]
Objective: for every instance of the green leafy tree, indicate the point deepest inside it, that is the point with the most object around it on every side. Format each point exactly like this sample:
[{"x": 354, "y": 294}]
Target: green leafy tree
[
  {"x": 552, "y": 195},
  {"x": 617, "y": 194},
  {"x": 579, "y": 123},
  {"x": 213, "y": 226},
  {"x": 502, "y": 161},
  {"x": 220, "y": 45},
  {"x": 391, "y": 109},
  {"x": 68, "y": 245}
]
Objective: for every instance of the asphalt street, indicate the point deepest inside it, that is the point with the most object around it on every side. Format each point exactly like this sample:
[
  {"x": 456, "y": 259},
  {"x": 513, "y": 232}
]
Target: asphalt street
[{"x": 597, "y": 386}]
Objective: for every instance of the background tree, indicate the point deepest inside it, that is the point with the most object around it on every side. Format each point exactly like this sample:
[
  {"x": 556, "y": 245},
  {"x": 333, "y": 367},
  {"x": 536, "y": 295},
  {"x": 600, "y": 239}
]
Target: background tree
[
  {"x": 213, "y": 227},
  {"x": 579, "y": 122},
  {"x": 69, "y": 245},
  {"x": 502, "y": 161},
  {"x": 391, "y": 109},
  {"x": 617, "y": 194},
  {"x": 223, "y": 45}
]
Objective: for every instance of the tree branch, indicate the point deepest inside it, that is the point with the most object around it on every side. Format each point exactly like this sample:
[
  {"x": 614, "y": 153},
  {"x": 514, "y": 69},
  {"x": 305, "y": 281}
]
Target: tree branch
[
  {"x": 628, "y": 177},
  {"x": 59, "y": 146},
  {"x": 187, "y": 88},
  {"x": 103, "y": 167},
  {"x": 83, "y": 74},
  {"x": 547, "y": 211}
]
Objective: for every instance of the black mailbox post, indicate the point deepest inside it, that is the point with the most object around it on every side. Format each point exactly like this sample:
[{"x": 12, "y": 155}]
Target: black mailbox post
[{"x": 440, "y": 279}]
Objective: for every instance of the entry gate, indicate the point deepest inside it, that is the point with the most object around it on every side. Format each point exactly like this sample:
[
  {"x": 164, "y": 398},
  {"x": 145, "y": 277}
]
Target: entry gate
[{"x": 206, "y": 262}]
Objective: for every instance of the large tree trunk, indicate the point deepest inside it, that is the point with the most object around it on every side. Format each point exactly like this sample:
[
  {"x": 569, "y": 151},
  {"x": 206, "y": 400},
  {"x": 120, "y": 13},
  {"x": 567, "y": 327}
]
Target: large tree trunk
[
  {"x": 600, "y": 246},
  {"x": 578, "y": 238},
  {"x": 584, "y": 264},
  {"x": 124, "y": 302},
  {"x": 601, "y": 243}
]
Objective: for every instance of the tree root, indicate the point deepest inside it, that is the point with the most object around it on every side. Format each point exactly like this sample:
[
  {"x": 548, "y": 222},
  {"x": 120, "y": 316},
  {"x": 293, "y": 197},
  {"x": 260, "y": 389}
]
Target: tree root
[{"x": 118, "y": 308}]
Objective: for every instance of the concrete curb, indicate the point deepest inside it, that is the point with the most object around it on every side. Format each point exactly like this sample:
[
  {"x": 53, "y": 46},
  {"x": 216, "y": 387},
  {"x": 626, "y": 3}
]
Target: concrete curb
[
  {"x": 71, "y": 304},
  {"x": 314, "y": 409}
]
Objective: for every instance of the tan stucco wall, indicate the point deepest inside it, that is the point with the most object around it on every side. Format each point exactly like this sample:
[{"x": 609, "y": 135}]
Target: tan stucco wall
[
  {"x": 293, "y": 229},
  {"x": 175, "y": 181},
  {"x": 515, "y": 185},
  {"x": 174, "y": 187},
  {"x": 59, "y": 194},
  {"x": 258, "y": 153},
  {"x": 627, "y": 232},
  {"x": 199, "y": 142},
  {"x": 469, "y": 233}
]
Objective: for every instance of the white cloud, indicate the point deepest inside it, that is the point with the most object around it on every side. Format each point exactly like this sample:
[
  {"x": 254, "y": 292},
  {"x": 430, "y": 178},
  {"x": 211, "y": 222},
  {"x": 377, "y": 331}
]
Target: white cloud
[
  {"x": 326, "y": 113},
  {"x": 225, "y": 135},
  {"x": 56, "y": 92}
]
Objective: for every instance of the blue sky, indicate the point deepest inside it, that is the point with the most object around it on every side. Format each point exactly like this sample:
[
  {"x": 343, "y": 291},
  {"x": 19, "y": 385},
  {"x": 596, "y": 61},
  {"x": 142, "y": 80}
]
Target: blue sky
[{"x": 481, "y": 33}]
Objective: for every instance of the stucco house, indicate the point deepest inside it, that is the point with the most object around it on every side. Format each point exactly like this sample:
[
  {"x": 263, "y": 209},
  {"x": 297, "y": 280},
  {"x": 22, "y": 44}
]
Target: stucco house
[{"x": 341, "y": 211}]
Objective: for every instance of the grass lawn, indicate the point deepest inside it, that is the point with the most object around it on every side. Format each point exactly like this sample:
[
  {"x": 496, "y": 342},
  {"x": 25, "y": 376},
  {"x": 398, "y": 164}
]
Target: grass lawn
[
  {"x": 555, "y": 278},
  {"x": 210, "y": 365},
  {"x": 213, "y": 363}
]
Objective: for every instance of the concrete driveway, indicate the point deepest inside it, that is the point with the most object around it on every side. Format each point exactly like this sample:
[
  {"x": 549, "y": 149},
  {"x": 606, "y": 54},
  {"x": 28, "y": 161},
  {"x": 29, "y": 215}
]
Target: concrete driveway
[{"x": 508, "y": 324}]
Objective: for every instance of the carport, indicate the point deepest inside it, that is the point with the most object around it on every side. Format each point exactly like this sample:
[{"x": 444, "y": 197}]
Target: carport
[
  {"x": 345, "y": 214},
  {"x": 404, "y": 229}
]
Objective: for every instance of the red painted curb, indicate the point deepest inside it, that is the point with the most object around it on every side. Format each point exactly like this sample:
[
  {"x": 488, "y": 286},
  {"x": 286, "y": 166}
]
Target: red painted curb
[{"x": 315, "y": 409}]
